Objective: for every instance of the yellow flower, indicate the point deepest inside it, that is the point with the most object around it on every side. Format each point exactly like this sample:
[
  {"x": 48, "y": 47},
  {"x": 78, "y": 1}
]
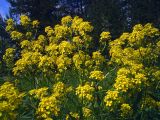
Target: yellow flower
[
  {"x": 139, "y": 78},
  {"x": 39, "y": 93},
  {"x": 78, "y": 40},
  {"x": 8, "y": 57},
  {"x": 125, "y": 109},
  {"x": 85, "y": 92},
  {"x": 50, "y": 106},
  {"x": 61, "y": 32},
  {"x": 65, "y": 47},
  {"x": 89, "y": 63},
  {"x": 10, "y": 21},
  {"x": 25, "y": 43},
  {"x": 85, "y": 27},
  {"x": 105, "y": 37},
  {"x": 98, "y": 58},
  {"x": 75, "y": 23},
  {"x": 80, "y": 27},
  {"x": 79, "y": 59},
  {"x": 123, "y": 83},
  {"x": 98, "y": 75},
  {"x": 10, "y": 100},
  {"x": 110, "y": 97},
  {"x": 59, "y": 88},
  {"x": 46, "y": 63},
  {"x": 16, "y": 35},
  {"x": 63, "y": 62},
  {"x": 37, "y": 46},
  {"x": 49, "y": 31},
  {"x": 9, "y": 28},
  {"x": 24, "y": 64},
  {"x": 109, "y": 103},
  {"x": 35, "y": 23},
  {"x": 24, "y": 20},
  {"x": 10, "y": 25},
  {"x": 47, "y": 107},
  {"x": 66, "y": 20},
  {"x": 41, "y": 38},
  {"x": 52, "y": 49}
]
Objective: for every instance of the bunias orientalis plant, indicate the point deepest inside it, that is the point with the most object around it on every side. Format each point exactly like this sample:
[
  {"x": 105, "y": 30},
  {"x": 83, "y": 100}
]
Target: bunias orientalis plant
[
  {"x": 65, "y": 79},
  {"x": 61, "y": 54},
  {"x": 10, "y": 99},
  {"x": 137, "y": 82}
]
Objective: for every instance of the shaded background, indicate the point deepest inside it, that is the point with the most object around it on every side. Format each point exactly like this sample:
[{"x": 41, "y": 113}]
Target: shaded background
[{"x": 116, "y": 16}]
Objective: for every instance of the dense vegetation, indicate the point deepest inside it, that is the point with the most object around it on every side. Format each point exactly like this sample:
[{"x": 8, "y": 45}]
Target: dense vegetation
[
  {"x": 60, "y": 74},
  {"x": 55, "y": 65}
]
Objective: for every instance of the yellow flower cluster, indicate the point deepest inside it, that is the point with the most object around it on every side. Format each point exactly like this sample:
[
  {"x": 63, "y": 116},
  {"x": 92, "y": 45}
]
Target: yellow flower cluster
[
  {"x": 81, "y": 27},
  {"x": 49, "y": 31},
  {"x": 46, "y": 63},
  {"x": 79, "y": 59},
  {"x": 8, "y": 57},
  {"x": 97, "y": 75},
  {"x": 111, "y": 97},
  {"x": 125, "y": 110},
  {"x": 134, "y": 52},
  {"x": 10, "y": 25},
  {"x": 24, "y": 20},
  {"x": 98, "y": 58},
  {"x": 10, "y": 99},
  {"x": 28, "y": 60},
  {"x": 50, "y": 103},
  {"x": 25, "y": 44},
  {"x": 53, "y": 51},
  {"x": 125, "y": 82},
  {"x": 66, "y": 20},
  {"x": 105, "y": 37},
  {"x": 16, "y": 35},
  {"x": 65, "y": 47},
  {"x": 59, "y": 88},
  {"x": 39, "y": 93},
  {"x": 140, "y": 32},
  {"x": 61, "y": 32},
  {"x": 135, "y": 48},
  {"x": 49, "y": 106},
  {"x": 85, "y": 92},
  {"x": 122, "y": 83},
  {"x": 77, "y": 40},
  {"x": 84, "y": 27},
  {"x": 63, "y": 62},
  {"x": 35, "y": 23}
]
